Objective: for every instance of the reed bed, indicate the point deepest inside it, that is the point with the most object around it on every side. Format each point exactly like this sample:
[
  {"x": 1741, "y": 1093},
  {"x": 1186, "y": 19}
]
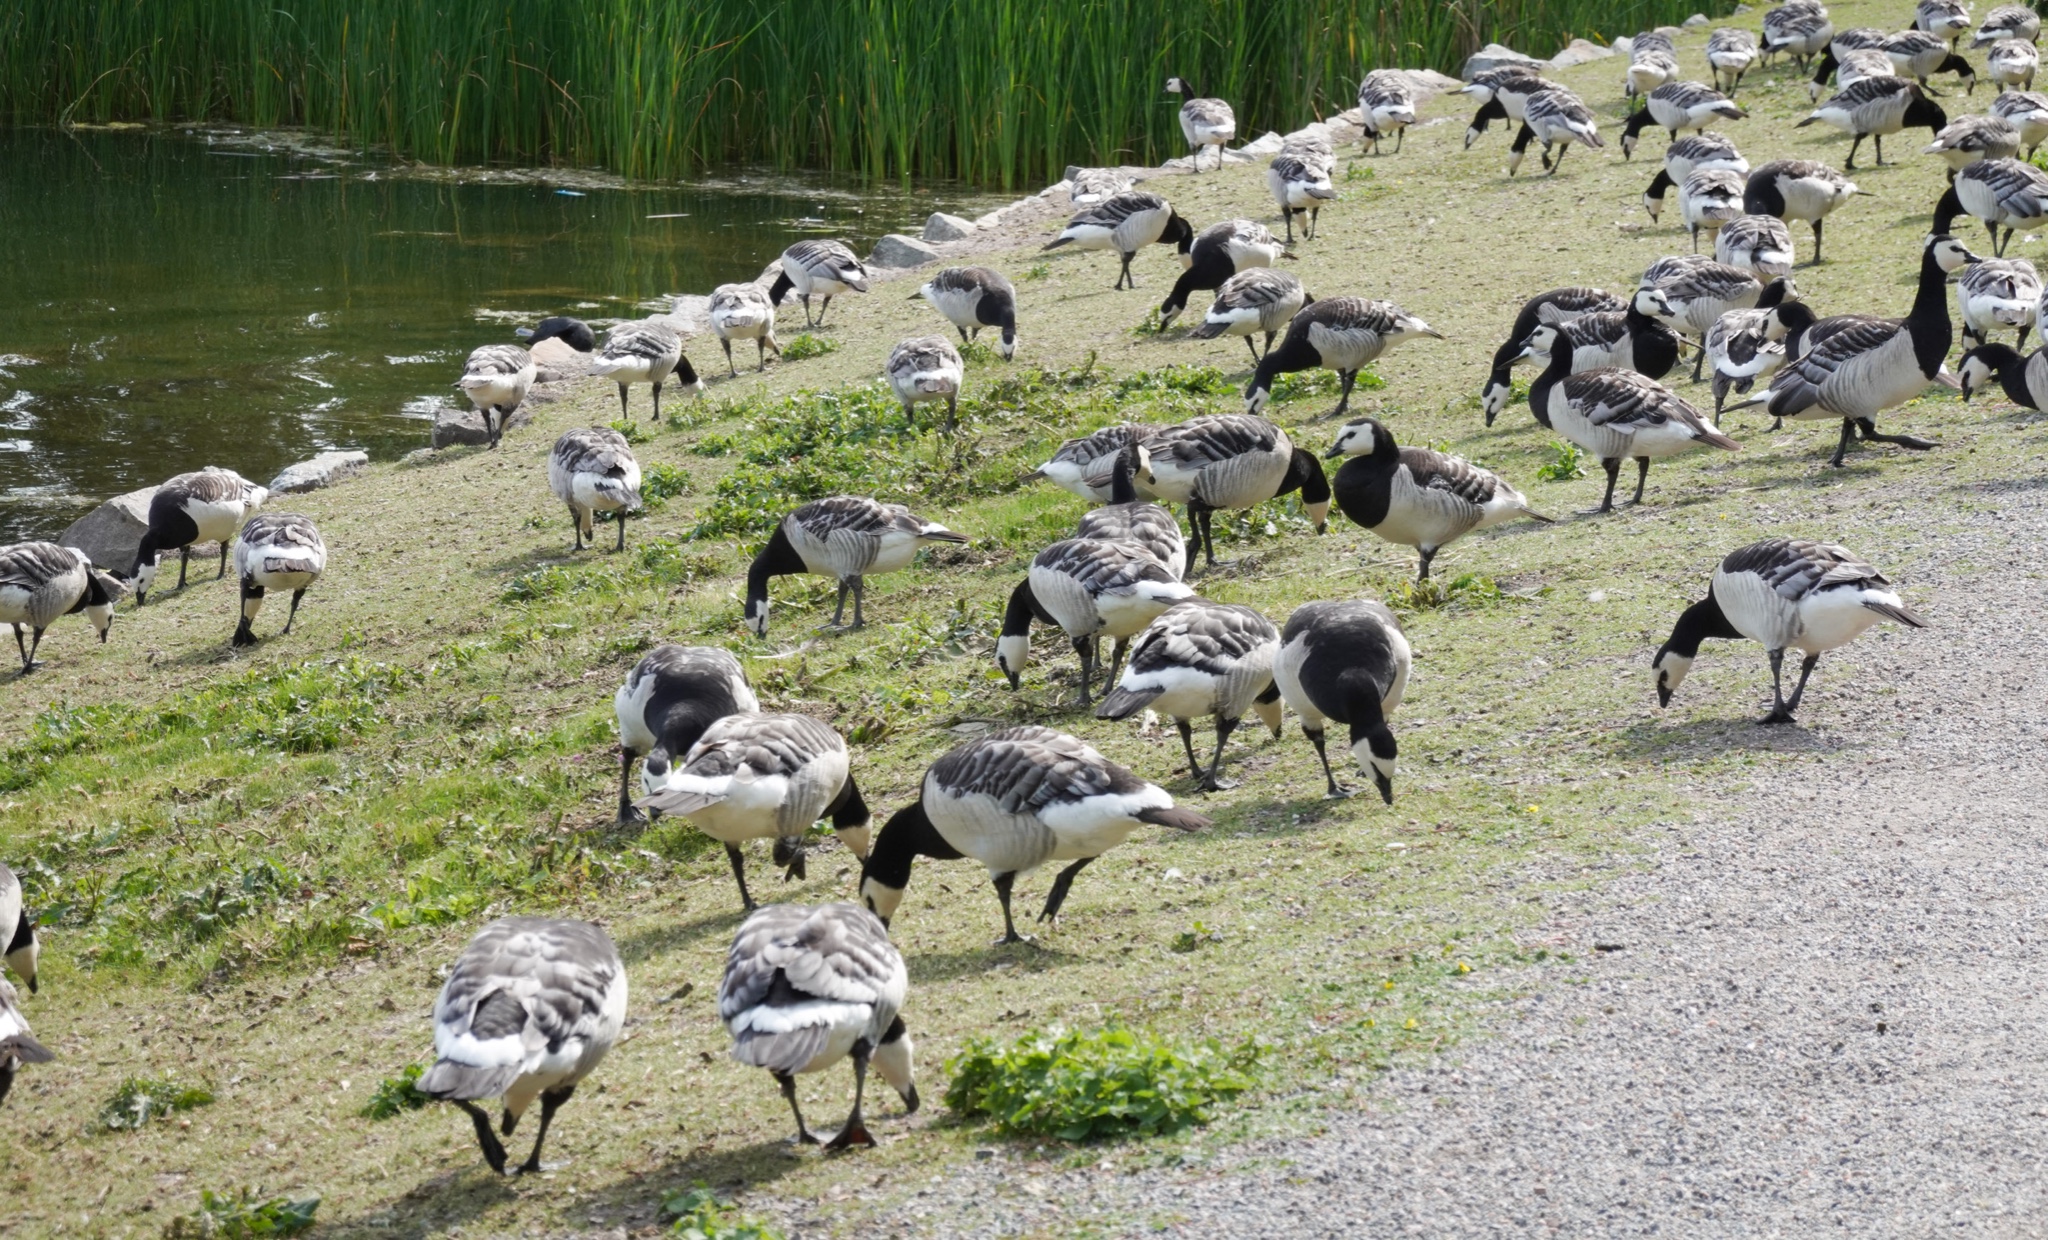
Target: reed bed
[{"x": 1000, "y": 92}]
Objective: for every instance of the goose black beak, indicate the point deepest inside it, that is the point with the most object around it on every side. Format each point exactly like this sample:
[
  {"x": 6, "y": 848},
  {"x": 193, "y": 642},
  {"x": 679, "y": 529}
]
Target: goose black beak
[
  {"x": 1333, "y": 454},
  {"x": 1385, "y": 785},
  {"x": 1663, "y": 695},
  {"x": 911, "y": 1101}
]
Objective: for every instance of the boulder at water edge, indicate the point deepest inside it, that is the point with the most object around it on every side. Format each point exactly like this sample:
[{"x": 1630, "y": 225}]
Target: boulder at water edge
[
  {"x": 942, "y": 227},
  {"x": 323, "y": 470},
  {"x": 897, "y": 250},
  {"x": 111, "y": 533}
]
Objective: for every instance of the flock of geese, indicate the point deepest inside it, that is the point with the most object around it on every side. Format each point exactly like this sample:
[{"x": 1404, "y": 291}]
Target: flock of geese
[{"x": 533, "y": 1005}]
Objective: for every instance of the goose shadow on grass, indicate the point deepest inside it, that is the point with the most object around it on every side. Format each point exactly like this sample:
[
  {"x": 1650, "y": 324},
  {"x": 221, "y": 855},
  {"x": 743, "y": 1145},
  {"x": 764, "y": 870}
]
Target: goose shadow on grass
[
  {"x": 435, "y": 1206},
  {"x": 634, "y": 1200},
  {"x": 1704, "y": 739},
  {"x": 662, "y": 937},
  {"x": 930, "y": 968}
]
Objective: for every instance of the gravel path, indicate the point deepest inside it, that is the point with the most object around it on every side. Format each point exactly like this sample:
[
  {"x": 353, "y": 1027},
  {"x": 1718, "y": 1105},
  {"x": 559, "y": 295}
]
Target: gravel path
[{"x": 1827, "y": 1016}]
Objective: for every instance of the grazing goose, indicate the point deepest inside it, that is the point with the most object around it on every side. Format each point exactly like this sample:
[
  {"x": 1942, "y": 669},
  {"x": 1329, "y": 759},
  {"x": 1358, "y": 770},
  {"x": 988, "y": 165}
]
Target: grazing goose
[
  {"x": 1998, "y": 293},
  {"x": 1014, "y": 800},
  {"x": 1741, "y": 350},
  {"x": 1869, "y": 62},
  {"x": 2028, "y": 111},
  {"x": 743, "y": 312},
  {"x": 1202, "y": 658},
  {"x": 592, "y": 470},
  {"x": 1685, "y": 156},
  {"x": 1559, "y": 305},
  {"x": 1677, "y": 106},
  {"x": 806, "y": 986},
  {"x": 497, "y": 377},
  {"x": 1868, "y": 365},
  {"x": 1652, "y": 62},
  {"x": 1999, "y": 192},
  {"x": 1797, "y": 189},
  {"x": 1730, "y": 53},
  {"x": 1203, "y": 121},
  {"x": 672, "y": 694},
  {"x": 530, "y": 1009},
  {"x": 17, "y": 1045},
  {"x": 844, "y": 537},
  {"x": 1503, "y": 95},
  {"x": 1096, "y": 184},
  {"x": 1919, "y": 55},
  {"x": 1799, "y": 29},
  {"x": 1254, "y": 300},
  {"x": 1126, "y": 223},
  {"x": 1344, "y": 334},
  {"x": 1418, "y": 497},
  {"x": 972, "y": 298},
  {"x": 2013, "y": 64},
  {"x": 1386, "y": 104},
  {"x": 1301, "y": 187},
  {"x": 764, "y": 777},
  {"x": 644, "y": 352},
  {"x": 1220, "y": 251},
  {"x": 277, "y": 551},
  {"x": 1346, "y": 662},
  {"x": 1635, "y": 339},
  {"x": 40, "y": 581},
  {"x": 1701, "y": 294},
  {"x": 926, "y": 368},
  {"x": 1874, "y": 107},
  {"x": 1558, "y": 118},
  {"x": 1709, "y": 198},
  {"x": 1312, "y": 144},
  {"x": 18, "y": 930},
  {"x": 1085, "y": 466},
  {"x": 1092, "y": 589},
  {"x": 2008, "y": 21},
  {"x": 1615, "y": 414},
  {"x": 2024, "y": 379},
  {"x": 1230, "y": 461},
  {"x": 826, "y": 268},
  {"x": 1967, "y": 139},
  {"x": 1127, "y": 518},
  {"x": 206, "y": 506},
  {"x": 1944, "y": 19},
  {"x": 1758, "y": 243},
  {"x": 1782, "y": 593}
]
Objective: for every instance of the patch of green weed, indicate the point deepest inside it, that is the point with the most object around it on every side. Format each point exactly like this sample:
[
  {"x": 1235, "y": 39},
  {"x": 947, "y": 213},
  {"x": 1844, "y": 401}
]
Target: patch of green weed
[
  {"x": 1567, "y": 461},
  {"x": 808, "y": 345},
  {"x": 243, "y": 1216},
  {"x": 698, "y": 1214},
  {"x": 396, "y": 1095},
  {"x": 1113, "y": 1082},
  {"x": 142, "y": 1100}
]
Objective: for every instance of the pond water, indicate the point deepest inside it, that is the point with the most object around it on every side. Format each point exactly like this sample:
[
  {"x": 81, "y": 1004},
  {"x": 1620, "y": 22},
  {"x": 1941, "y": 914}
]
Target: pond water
[{"x": 181, "y": 299}]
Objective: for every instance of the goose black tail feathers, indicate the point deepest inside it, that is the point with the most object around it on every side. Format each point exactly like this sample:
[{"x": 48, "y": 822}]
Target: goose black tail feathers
[
  {"x": 1123, "y": 703},
  {"x": 1900, "y": 614}
]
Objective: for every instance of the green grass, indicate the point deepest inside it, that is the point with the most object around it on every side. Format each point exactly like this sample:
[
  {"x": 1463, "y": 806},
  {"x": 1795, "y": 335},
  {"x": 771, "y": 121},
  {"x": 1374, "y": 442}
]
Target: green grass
[
  {"x": 141, "y": 1101},
  {"x": 698, "y": 1214},
  {"x": 1112, "y": 1082}
]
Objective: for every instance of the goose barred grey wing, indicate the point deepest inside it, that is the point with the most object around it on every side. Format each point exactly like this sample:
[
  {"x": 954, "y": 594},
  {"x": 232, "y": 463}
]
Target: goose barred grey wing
[
  {"x": 32, "y": 565},
  {"x": 494, "y": 360},
  {"x": 830, "y": 259},
  {"x": 1114, "y": 211},
  {"x": 1796, "y": 567},
  {"x": 1436, "y": 471},
  {"x": 524, "y": 988},
  {"x": 210, "y": 485},
  {"x": 1027, "y": 769},
  {"x": 1209, "y": 638},
  {"x": 1832, "y": 360},
  {"x": 1218, "y": 437},
  {"x": 652, "y": 341},
  {"x": 594, "y": 450},
  {"x": 1624, "y": 399},
  {"x": 801, "y": 963}
]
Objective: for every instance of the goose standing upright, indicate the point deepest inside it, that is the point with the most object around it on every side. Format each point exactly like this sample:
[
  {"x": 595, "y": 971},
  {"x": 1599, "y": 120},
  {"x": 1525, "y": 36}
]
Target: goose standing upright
[
  {"x": 844, "y": 537},
  {"x": 41, "y": 581},
  {"x": 826, "y": 268},
  {"x": 592, "y": 470},
  {"x": 1685, "y": 156},
  {"x": 1386, "y": 103},
  {"x": 1418, "y": 497},
  {"x": 972, "y": 298},
  {"x": 1557, "y": 118},
  {"x": 18, "y": 931},
  {"x": 1255, "y": 300},
  {"x": 1203, "y": 121},
  {"x": 1731, "y": 51},
  {"x": 1301, "y": 187},
  {"x": 2024, "y": 379},
  {"x": 1233, "y": 460},
  {"x": 1868, "y": 365},
  {"x": 1346, "y": 662},
  {"x": 1202, "y": 658},
  {"x": 208, "y": 505},
  {"x": 807, "y": 986},
  {"x": 1782, "y": 593},
  {"x": 1797, "y": 189},
  {"x": 1559, "y": 305},
  {"x": 1014, "y": 800},
  {"x": 1092, "y": 589},
  {"x": 744, "y": 312},
  {"x": 1678, "y": 106},
  {"x": 17, "y": 1044},
  {"x": 1125, "y": 224},
  {"x": 1615, "y": 414},
  {"x": 277, "y": 551},
  {"x": 923, "y": 369},
  {"x": 648, "y": 351},
  {"x": 2028, "y": 111},
  {"x": 530, "y": 1009},
  {"x": 1344, "y": 334},
  {"x": 1998, "y": 293},
  {"x": 667, "y": 701},
  {"x": 1996, "y": 191},
  {"x": 1219, "y": 252},
  {"x": 1874, "y": 107}
]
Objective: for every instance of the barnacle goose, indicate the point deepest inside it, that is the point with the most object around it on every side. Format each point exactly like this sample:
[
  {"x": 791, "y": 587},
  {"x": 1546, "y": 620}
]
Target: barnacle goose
[
  {"x": 40, "y": 581},
  {"x": 208, "y": 505},
  {"x": 1709, "y": 198},
  {"x": 1126, "y": 224},
  {"x": 1741, "y": 350},
  {"x": 1234, "y": 460},
  {"x": 277, "y": 551},
  {"x": 743, "y": 312},
  {"x": 644, "y": 352},
  {"x": 1636, "y": 339},
  {"x": 1344, "y": 334},
  {"x": 672, "y": 694},
  {"x": 1095, "y": 184},
  {"x": 1202, "y": 658},
  {"x": 1868, "y": 365},
  {"x": 1685, "y": 156},
  {"x": 1254, "y": 300},
  {"x": 1014, "y": 800},
  {"x": 1503, "y": 95},
  {"x": 1699, "y": 294},
  {"x": 1758, "y": 243},
  {"x": 1386, "y": 103},
  {"x": 2004, "y": 192},
  {"x": 1301, "y": 187},
  {"x": 2013, "y": 63},
  {"x": 18, "y": 931},
  {"x": 1854, "y": 65},
  {"x": 2024, "y": 379},
  {"x": 1730, "y": 53},
  {"x": 1091, "y": 588},
  {"x": 1203, "y": 121},
  {"x": 592, "y": 470},
  {"x": 497, "y": 377},
  {"x": 1998, "y": 293},
  {"x": 1220, "y": 251},
  {"x": 17, "y": 1044},
  {"x": 827, "y": 268},
  {"x": 1127, "y": 518},
  {"x": 1782, "y": 593},
  {"x": 1615, "y": 414},
  {"x": 1797, "y": 189},
  {"x": 844, "y": 537},
  {"x": 972, "y": 298},
  {"x": 926, "y": 368},
  {"x": 1967, "y": 139},
  {"x": 806, "y": 986},
  {"x": 1919, "y": 55},
  {"x": 530, "y": 1009},
  {"x": 764, "y": 777},
  {"x": 1559, "y": 305},
  {"x": 1558, "y": 118},
  {"x": 2008, "y": 21},
  {"x": 1874, "y": 107},
  {"x": 1418, "y": 497},
  {"x": 1799, "y": 29},
  {"x": 1084, "y": 466},
  {"x": 2028, "y": 110},
  {"x": 1346, "y": 662},
  {"x": 1944, "y": 19},
  {"x": 1652, "y": 62},
  {"x": 1677, "y": 106}
]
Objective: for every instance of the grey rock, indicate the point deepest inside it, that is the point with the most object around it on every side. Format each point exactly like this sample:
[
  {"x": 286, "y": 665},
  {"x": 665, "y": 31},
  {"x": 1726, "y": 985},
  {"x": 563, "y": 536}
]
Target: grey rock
[
  {"x": 323, "y": 470},
  {"x": 1493, "y": 56},
  {"x": 454, "y": 426},
  {"x": 554, "y": 361},
  {"x": 1579, "y": 52},
  {"x": 897, "y": 250},
  {"x": 1696, "y": 20},
  {"x": 111, "y": 533},
  {"x": 419, "y": 456},
  {"x": 1624, "y": 45},
  {"x": 942, "y": 227},
  {"x": 1265, "y": 146}
]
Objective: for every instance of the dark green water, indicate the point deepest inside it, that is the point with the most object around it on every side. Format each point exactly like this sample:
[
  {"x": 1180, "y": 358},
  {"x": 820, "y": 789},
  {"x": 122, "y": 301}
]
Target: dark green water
[{"x": 171, "y": 303}]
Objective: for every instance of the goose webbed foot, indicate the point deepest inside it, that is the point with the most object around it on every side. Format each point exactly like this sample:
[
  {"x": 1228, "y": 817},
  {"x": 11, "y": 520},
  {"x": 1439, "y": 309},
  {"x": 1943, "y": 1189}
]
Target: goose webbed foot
[
  {"x": 494, "y": 1149},
  {"x": 803, "y": 1136}
]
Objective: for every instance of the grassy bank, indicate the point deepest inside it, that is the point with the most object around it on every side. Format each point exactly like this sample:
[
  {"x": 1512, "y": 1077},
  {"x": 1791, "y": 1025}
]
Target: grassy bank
[{"x": 1004, "y": 92}]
